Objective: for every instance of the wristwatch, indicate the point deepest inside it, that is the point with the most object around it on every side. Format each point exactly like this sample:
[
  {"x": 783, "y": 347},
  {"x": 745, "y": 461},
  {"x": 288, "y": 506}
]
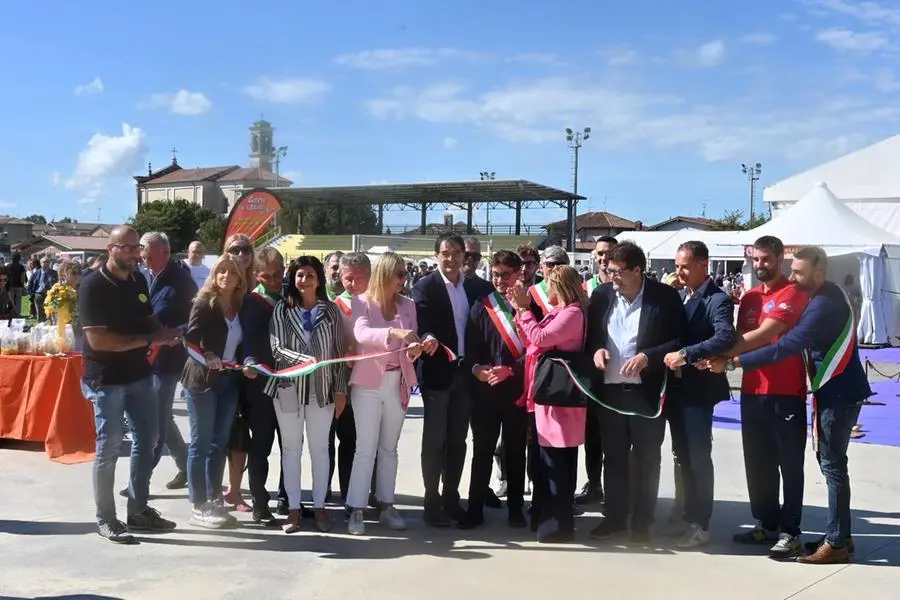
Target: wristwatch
[{"x": 729, "y": 364}]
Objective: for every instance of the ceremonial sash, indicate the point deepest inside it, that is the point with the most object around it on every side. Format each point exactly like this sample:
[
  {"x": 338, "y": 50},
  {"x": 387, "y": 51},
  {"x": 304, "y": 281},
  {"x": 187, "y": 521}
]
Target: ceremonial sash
[
  {"x": 343, "y": 303},
  {"x": 540, "y": 295},
  {"x": 585, "y": 389},
  {"x": 502, "y": 317},
  {"x": 591, "y": 284},
  {"x": 307, "y": 365},
  {"x": 260, "y": 294}
]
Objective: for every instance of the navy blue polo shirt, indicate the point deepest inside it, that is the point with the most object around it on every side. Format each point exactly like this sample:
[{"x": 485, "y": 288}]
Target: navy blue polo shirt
[{"x": 123, "y": 307}]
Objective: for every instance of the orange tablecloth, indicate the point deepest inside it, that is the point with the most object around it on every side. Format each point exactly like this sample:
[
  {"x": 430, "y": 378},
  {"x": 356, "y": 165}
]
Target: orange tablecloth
[{"x": 41, "y": 401}]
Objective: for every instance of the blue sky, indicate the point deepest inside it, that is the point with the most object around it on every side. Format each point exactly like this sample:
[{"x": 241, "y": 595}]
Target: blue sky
[{"x": 678, "y": 94}]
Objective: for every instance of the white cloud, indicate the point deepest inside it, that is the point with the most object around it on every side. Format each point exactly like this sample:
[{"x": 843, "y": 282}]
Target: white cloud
[
  {"x": 108, "y": 156},
  {"x": 94, "y": 87},
  {"x": 537, "y": 58},
  {"x": 871, "y": 13},
  {"x": 182, "y": 102},
  {"x": 852, "y": 41},
  {"x": 760, "y": 39},
  {"x": 56, "y": 178},
  {"x": 87, "y": 200},
  {"x": 885, "y": 81},
  {"x": 450, "y": 142},
  {"x": 622, "y": 120},
  {"x": 618, "y": 57},
  {"x": 711, "y": 54},
  {"x": 287, "y": 91},
  {"x": 400, "y": 58}
]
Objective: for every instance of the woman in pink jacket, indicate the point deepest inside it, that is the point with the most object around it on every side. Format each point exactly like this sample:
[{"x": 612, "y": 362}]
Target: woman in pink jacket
[
  {"x": 557, "y": 431},
  {"x": 382, "y": 320}
]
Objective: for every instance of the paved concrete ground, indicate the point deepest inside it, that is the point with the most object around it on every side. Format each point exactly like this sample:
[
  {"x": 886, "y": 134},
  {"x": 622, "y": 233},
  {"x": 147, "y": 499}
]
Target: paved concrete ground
[{"x": 49, "y": 548}]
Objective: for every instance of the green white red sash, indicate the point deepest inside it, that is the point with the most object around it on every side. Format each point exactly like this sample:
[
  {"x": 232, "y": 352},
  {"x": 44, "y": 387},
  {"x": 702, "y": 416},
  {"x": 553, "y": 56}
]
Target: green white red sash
[
  {"x": 586, "y": 390},
  {"x": 591, "y": 284},
  {"x": 343, "y": 303},
  {"x": 262, "y": 295},
  {"x": 540, "y": 294},
  {"x": 502, "y": 316},
  {"x": 307, "y": 365},
  {"x": 839, "y": 354}
]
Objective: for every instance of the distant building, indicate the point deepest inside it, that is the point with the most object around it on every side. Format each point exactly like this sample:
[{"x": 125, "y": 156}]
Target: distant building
[
  {"x": 13, "y": 231},
  {"x": 214, "y": 188},
  {"x": 83, "y": 247},
  {"x": 679, "y": 223},
  {"x": 55, "y": 228},
  {"x": 590, "y": 226}
]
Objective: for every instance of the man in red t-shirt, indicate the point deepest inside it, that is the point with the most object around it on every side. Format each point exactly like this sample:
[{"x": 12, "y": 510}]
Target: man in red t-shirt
[{"x": 773, "y": 406}]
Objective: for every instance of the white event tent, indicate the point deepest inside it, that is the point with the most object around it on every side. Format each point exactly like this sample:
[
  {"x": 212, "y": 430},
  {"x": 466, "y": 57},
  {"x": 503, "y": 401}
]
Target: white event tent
[{"x": 861, "y": 249}]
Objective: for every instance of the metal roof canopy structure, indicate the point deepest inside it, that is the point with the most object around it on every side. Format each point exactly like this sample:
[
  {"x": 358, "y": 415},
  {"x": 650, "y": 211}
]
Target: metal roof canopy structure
[{"x": 464, "y": 195}]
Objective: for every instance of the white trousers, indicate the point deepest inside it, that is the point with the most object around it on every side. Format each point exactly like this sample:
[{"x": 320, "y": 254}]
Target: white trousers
[
  {"x": 292, "y": 416},
  {"x": 378, "y": 414}
]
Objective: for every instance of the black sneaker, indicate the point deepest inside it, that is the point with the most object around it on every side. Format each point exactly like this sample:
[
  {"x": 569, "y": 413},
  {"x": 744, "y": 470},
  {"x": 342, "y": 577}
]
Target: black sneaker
[
  {"x": 516, "y": 519},
  {"x": 589, "y": 494},
  {"x": 491, "y": 500},
  {"x": 123, "y": 492},
  {"x": 150, "y": 520},
  {"x": 263, "y": 516},
  {"x": 116, "y": 532},
  {"x": 178, "y": 482},
  {"x": 607, "y": 530}
]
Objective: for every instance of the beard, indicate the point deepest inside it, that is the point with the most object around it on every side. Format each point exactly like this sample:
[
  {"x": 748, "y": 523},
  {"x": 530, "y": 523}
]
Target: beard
[
  {"x": 125, "y": 265},
  {"x": 764, "y": 275}
]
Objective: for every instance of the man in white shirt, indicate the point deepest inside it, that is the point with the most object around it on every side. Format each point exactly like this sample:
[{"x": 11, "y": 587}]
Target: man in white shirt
[{"x": 194, "y": 260}]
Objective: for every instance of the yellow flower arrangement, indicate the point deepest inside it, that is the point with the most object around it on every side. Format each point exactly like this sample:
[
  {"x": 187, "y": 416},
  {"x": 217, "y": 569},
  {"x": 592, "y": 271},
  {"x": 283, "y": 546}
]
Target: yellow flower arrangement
[{"x": 61, "y": 303}]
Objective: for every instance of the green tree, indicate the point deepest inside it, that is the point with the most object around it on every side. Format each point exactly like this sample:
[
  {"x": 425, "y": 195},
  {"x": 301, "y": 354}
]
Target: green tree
[
  {"x": 37, "y": 219},
  {"x": 212, "y": 233},
  {"x": 733, "y": 220},
  {"x": 67, "y": 220},
  {"x": 179, "y": 219},
  {"x": 322, "y": 219}
]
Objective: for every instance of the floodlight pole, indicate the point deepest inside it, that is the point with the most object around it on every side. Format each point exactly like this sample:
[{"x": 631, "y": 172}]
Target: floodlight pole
[
  {"x": 487, "y": 176},
  {"x": 752, "y": 172},
  {"x": 574, "y": 140}
]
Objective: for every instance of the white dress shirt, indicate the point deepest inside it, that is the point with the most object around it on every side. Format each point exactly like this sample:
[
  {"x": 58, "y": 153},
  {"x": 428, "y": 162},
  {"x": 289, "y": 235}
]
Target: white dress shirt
[
  {"x": 233, "y": 339},
  {"x": 460, "y": 304},
  {"x": 624, "y": 324}
]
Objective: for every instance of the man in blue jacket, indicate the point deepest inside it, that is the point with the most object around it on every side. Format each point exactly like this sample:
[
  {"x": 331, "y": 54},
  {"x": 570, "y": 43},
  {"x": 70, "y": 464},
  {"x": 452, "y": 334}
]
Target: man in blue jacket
[
  {"x": 710, "y": 332},
  {"x": 825, "y": 333},
  {"x": 172, "y": 290}
]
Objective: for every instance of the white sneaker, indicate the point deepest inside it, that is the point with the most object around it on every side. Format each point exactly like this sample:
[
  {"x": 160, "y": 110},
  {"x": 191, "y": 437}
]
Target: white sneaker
[
  {"x": 390, "y": 518},
  {"x": 787, "y": 546},
  {"x": 357, "y": 523},
  {"x": 694, "y": 538}
]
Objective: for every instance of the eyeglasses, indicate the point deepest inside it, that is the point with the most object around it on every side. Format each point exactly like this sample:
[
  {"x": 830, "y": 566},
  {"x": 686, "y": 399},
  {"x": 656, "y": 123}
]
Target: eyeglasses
[
  {"x": 616, "y": 272},
  {"x": 129, "y": 247},
  {"x": 476, "y": 256},
  {"x": 503, "y": 274},
  {"x": 553, "y": 265},
  {"x": 247, "y": 250}
]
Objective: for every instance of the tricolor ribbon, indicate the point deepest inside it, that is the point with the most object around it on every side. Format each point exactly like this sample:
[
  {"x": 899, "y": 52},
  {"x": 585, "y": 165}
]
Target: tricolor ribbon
[
  {"x": 585, "y": 389},
  {"x": 306, "y": 366}
]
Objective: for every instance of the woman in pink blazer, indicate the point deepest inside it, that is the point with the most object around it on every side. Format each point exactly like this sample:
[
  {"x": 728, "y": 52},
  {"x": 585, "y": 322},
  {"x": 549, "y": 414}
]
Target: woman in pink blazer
[
  {"x": 557, "y": 431},
  {"x": 382, "y": 320}
]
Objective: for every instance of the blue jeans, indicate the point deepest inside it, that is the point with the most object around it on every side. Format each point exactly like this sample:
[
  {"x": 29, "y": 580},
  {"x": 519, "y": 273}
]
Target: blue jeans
[
  {"x": 169, "y": 436},
  {"x": 835, "y": 424},
  {"x": 211, "y": 414},
  {"x": 691, "y": 428},
  {"x": 111, "y": 404}
]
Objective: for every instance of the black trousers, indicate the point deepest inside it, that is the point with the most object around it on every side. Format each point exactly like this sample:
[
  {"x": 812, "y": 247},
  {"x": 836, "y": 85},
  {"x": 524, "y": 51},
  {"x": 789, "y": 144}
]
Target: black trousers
[
  {"x": 444, "y": 432},
  {"x": 554, "y": 471},
  {"x": 494, "y": 410},
  {"x": 344, "y": 429},
  {"x": 632, "y": 449},
  {"x": 593, "y": 448},
  {"x": 260, "y": 413},
  {"x": 773, "y": 429}
]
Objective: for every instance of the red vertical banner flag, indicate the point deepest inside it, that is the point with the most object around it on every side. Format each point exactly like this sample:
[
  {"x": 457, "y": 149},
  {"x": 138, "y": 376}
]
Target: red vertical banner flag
[{"x": 252, "y": 213}]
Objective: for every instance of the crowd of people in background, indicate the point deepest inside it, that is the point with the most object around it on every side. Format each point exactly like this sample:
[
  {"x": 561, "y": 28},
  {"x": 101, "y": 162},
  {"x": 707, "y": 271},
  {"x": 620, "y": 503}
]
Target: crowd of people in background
[{"x": 482, "y": 345}]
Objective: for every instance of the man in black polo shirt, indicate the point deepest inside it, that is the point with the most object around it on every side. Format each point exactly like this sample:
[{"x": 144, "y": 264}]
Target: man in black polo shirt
[{"x": 119, "y": 328}]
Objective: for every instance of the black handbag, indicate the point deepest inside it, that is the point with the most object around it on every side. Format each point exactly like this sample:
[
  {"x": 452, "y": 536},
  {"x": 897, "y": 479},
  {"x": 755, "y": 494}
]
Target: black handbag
[{"x": 553, "y": 386}]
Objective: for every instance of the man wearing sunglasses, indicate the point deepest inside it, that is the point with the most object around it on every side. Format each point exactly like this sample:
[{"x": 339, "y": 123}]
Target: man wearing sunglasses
[
  {"x": 472, "y": 260},
  {"x": 553, "y": 257}
]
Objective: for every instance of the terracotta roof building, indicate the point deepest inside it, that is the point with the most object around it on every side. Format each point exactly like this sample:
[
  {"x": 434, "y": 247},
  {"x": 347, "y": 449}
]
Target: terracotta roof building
[
  {"x": 681, "y": 222},
  {"x": 55, "y": 245},
  {"x": 590, "y": 226}
]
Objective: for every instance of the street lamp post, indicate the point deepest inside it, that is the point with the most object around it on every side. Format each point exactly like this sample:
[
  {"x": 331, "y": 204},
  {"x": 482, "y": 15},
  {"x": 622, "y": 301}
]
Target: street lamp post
[
  {"x": 277, "y": 154},
  {"x": 752, "y": 172},
  {"x": 487, "y": 176},
  {"x": 574, "y": 140}
]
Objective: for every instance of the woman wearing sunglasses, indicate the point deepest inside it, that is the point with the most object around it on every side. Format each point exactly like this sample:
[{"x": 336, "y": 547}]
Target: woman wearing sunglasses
[{"x": 240, "y": 248}]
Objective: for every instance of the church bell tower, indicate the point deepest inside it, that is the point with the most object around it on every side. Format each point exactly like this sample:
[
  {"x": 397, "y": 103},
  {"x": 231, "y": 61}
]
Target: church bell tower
[{"x": 262, "y": 148}]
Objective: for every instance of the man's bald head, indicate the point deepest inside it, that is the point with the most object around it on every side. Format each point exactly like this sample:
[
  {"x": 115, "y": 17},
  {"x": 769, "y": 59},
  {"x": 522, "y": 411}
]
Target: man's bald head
[
  {"x": 123, "y": 234},
  {"x": 124, "y": 249}
]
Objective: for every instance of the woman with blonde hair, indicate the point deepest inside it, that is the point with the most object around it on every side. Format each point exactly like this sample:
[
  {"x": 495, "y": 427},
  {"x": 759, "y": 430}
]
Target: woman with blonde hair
[
  {"x": 558, "y": 431},
  {"x": 214, "y": 330},
  {"x": 383, "y": 319},
  {"x": 240, "y": 247}
]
